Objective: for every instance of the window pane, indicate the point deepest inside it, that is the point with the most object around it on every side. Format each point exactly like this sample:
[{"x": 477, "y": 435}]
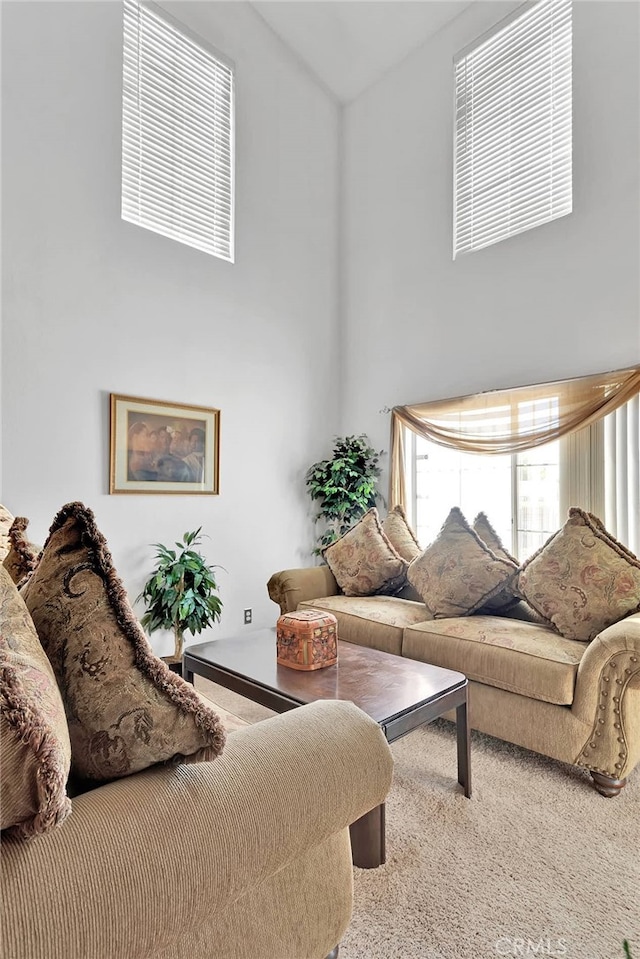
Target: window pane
[
  {"x": 538, "y": 497},
  {"x": 474, "y": 482},
  {"x": 490, "y": 484}
]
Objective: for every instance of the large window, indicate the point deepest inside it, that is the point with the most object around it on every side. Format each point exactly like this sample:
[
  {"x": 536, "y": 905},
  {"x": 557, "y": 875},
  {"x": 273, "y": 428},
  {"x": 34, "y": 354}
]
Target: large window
[
  {"x": 519, "y": 492},
  {"x": 512, "y": 129},
  {"x": 523, "y": 456},
  {"x": 526, "y": 495},
  {"x": 178, "y": 133}
]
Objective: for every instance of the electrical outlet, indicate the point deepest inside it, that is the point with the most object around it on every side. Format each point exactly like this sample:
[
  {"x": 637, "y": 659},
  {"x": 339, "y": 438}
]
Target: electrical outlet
[{"x": 248, "y": 616}]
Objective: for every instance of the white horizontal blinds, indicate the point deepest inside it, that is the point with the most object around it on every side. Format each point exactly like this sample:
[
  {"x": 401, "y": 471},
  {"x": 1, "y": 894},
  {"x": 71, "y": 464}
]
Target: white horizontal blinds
[
  {"x": 512, "y": 149},
  {"x": 622, "y": 474},
  {"x": 177, "y": 143}
]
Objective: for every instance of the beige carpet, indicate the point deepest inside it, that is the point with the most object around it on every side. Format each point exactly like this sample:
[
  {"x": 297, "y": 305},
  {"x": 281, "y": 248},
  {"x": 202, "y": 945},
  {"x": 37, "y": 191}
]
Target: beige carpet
[{"x": 535, "y": 864}]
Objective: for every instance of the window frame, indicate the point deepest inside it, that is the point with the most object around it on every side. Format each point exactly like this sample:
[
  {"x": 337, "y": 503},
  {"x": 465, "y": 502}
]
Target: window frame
[
  {"x": 227, "y": 64},
  {"x": 495, "y": 234}
]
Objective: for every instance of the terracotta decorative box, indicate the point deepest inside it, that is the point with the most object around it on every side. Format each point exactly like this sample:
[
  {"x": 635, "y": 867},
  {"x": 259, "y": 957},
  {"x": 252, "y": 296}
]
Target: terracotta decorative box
[{"x": 307, "y": 639}]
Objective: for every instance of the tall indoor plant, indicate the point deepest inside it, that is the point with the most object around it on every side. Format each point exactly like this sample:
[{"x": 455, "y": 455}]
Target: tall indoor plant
[
  {"x": 344, "y": 486},
  {"x": 181, "y": 593}
]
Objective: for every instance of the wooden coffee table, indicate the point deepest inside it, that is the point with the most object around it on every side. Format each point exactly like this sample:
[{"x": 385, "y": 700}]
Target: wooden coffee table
[{"x": 399, "y": 694}]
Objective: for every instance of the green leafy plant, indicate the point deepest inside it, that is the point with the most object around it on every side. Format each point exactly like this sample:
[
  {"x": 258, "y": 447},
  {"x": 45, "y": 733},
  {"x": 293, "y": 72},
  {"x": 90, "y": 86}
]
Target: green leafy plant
[
  {"x": 182, "y": 593},
  {"x": 344, "y": 486}
]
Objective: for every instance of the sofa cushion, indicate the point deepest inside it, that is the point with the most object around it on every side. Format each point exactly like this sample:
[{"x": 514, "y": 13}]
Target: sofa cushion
[
  {"x": 522, "y": 657},
  {"x": 364, "y": 562},
  {"x": 508, "y": 596},
  {"x": 520, "y": 610},
  {"x": 458, "y": 573},
  {"x": 374, "y": 621},
  {"x": 582, "y": 580},
  {"x": 126, "y": 709},
  {"x": 402, "y": 537},
  {"x": 34, "y": 738},
  {"x": 6, "y": 519},
  {"x": 23, "y": 555}
]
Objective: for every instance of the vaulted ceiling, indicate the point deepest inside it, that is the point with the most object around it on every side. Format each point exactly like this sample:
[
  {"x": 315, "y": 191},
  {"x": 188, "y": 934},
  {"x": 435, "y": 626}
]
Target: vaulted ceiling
[{"x": 349, "y": 44}]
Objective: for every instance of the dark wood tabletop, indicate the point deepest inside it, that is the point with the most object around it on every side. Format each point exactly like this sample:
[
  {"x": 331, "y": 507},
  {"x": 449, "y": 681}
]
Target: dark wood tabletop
[
  {"x": 383, "y": 685},
  {"x": 399, "y": 694}
]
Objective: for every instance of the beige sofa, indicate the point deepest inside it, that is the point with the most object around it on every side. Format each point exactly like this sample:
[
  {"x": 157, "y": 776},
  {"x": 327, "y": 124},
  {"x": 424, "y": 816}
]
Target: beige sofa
[
  {"x": 246, "y": 856},
  {"x": 576, "y": 702},
  {"x": 212, "y": 860}
]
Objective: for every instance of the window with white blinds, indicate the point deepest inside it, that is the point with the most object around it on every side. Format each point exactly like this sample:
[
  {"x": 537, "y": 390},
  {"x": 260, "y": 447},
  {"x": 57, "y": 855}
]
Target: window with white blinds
[
  {"x": 178, "y": 133},
  {"x": 512, "y": 127}
]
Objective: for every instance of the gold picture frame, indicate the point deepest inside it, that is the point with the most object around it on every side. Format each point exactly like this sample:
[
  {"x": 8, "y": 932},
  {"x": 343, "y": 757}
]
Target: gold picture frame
[{"x": 163, "y": 447}]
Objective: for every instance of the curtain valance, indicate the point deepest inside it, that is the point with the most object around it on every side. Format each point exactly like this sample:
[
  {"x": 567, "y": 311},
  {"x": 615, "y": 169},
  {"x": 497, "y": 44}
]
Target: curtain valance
[{"x": 509, "y": 421}]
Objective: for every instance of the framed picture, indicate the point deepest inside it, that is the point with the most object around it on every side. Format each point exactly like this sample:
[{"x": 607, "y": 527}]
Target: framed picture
[{"x": 159, "y": 447}]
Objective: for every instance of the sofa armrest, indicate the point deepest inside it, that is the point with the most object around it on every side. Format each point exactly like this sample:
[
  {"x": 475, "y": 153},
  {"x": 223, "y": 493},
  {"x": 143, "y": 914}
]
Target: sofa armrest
[
  {"x": 607, "y": 699},
  {"x": 141, "y": 853},
  {"x": 290, "y": 587}
]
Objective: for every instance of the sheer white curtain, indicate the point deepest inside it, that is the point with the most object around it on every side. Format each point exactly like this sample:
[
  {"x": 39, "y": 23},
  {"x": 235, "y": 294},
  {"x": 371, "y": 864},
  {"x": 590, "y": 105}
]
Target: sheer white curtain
[{"x": 622, "y": 474}]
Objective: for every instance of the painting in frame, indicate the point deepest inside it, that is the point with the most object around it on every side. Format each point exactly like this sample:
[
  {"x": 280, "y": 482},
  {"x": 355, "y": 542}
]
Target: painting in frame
[{"x": 163, "y": 447}]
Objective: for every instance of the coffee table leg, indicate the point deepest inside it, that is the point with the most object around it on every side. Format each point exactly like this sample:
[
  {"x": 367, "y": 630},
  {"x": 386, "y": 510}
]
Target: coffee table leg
[
  {"x": 368, "y": 839},
  {"x": 464, "y": 748}
]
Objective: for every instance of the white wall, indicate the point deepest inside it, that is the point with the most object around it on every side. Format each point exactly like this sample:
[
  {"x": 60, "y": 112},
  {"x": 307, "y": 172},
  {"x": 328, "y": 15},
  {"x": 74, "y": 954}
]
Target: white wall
[
  {"x": 558, "y": 301},
  {"x": 93, "y": 305}
]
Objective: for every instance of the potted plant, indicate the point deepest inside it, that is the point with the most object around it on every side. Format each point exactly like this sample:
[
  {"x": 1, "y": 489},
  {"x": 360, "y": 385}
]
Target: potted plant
[
  {"x": 344, "y": 486},
  {"x": 181, "y": 593}
]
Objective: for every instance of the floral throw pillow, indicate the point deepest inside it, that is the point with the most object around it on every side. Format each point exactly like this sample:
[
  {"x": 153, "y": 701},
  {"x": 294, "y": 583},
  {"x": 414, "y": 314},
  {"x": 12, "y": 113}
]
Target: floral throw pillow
[
  {"x": 126, "y": 710},
  {"x": 458, "y": 574},
  {"x": 364, "y": 562},
  {"x": 582, "y": 580},
  {"x": 34, "y": 738},
  {"x": 401, "y": 536}
]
